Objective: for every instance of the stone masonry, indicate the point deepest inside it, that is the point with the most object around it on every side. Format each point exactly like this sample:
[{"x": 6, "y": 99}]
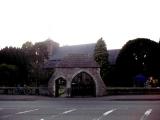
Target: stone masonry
[{"x": 69, "y": 73}]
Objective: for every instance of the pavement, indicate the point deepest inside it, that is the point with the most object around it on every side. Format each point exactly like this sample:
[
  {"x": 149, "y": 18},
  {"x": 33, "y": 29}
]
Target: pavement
[
  {"x": 23, "y": 97},
  {"x": 107, "y": 98},
  {"x": 120, "y": 107}
]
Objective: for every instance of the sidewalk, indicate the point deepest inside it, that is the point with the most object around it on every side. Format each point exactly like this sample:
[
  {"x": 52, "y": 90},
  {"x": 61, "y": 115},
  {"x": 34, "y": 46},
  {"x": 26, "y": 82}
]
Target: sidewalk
[
  {"x": 104, "y": 98},
  {"x": 23, "y": 97},
  {"x": 134, "y": 98}
]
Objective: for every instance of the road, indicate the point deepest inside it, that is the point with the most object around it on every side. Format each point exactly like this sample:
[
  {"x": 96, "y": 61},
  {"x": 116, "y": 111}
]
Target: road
[{"x": 81, "y": 109}]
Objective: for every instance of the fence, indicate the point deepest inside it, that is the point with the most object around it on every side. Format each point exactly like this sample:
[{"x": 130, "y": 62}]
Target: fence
[{"x": 24, "y": 90}]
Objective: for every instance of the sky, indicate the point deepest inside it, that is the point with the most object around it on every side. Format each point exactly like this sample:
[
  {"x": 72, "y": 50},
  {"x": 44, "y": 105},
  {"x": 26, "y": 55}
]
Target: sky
[{"x": 71, "y": 22}]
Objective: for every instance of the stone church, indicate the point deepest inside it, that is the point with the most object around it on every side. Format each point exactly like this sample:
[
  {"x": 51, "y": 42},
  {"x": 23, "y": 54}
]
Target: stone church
[{"x": 75, "y": 71}]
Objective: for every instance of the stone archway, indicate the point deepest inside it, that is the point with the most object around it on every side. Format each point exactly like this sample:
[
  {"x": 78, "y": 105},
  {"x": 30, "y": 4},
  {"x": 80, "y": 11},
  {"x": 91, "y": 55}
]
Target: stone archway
[
  {"x": 60, "y": 87},
  {"x": 83, "y": 85}
]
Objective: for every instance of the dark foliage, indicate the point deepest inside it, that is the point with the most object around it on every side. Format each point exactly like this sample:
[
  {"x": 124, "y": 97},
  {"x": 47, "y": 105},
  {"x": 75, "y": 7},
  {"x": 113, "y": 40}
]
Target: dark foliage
[
  {"x": 19, "y": 66},
  {"x": 14, "y": 66},
  {"x": 38, "y": 55},
  {"x": 101, "y": 57},
  {"x": 138, "y": 56}
]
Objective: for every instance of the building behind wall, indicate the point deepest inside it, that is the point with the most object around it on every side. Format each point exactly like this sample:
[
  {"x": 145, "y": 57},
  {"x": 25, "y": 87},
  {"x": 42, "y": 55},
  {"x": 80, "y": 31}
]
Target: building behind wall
[{"x": 75, "y": 65}]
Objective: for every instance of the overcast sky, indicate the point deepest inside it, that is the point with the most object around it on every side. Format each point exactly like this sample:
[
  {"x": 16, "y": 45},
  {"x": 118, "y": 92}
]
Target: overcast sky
[{"x": 71, "y": 22}]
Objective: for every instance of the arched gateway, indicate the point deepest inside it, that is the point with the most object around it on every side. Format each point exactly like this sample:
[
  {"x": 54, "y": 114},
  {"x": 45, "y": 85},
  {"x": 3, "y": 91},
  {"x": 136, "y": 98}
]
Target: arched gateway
[
  {"x": 80, "y": 75},
  {"x": 60, "y": 87},
  {"x": 83, "y": 85}
]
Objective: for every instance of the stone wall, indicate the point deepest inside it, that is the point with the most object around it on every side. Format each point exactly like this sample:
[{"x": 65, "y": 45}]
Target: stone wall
[{"x": 69, "y": 73}]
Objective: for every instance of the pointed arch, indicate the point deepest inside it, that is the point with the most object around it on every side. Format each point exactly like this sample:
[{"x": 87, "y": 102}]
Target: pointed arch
[
  {"x": 86, "y": 71},
  {"x": 83, "y": 84},
  {"x": 60, "y": 87}
]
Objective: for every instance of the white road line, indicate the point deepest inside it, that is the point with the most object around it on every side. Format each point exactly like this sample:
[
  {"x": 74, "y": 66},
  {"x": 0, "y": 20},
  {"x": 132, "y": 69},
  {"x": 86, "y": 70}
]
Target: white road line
[
  {"x": 68, "y": 111},
  {"x": 106, "y": 113},
  {"x": 146, "y": 114},
  {"x": 53, "y": 116},
  {"x": 26, "y": 111},
  {"x": 6, "y": 116},
  {"x": 50, "y": 117}
]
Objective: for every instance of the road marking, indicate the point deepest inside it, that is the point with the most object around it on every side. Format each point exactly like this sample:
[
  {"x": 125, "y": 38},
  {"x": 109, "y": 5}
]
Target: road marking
[
  {"x": 53, "y": 116},
  {"x": 6, "y": 116},
  {"x": 26, "y": 111},
  {"x": 106, "y": 113},
  {"x": 146, "y": 114},
  {"x": 68, "y": 111}
]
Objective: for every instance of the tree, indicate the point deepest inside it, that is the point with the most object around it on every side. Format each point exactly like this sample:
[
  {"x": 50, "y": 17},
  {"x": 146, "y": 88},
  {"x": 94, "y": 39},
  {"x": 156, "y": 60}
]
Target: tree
[
  {"x": 27, "y": 45},
  {"x": 13, "y": 60},
  {"x": 8, "y": 75},
  {"x": 101, "y": 57},
  {"x": 38, "y": 54},
  {"x": 25, "y": 65},
  {"x": 138, "y": 56}
]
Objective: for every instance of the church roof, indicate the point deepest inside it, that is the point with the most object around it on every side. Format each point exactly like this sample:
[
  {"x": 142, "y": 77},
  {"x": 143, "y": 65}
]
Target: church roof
[
  {"x": 73, "y": 49},
  {"x": 77, "y": 61},
  {"x": 77, "y": 56}
]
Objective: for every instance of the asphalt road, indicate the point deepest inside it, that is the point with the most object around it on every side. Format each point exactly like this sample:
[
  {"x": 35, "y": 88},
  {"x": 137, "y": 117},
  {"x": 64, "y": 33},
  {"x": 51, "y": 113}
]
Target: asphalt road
[{"x": 104, "y": 108}]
